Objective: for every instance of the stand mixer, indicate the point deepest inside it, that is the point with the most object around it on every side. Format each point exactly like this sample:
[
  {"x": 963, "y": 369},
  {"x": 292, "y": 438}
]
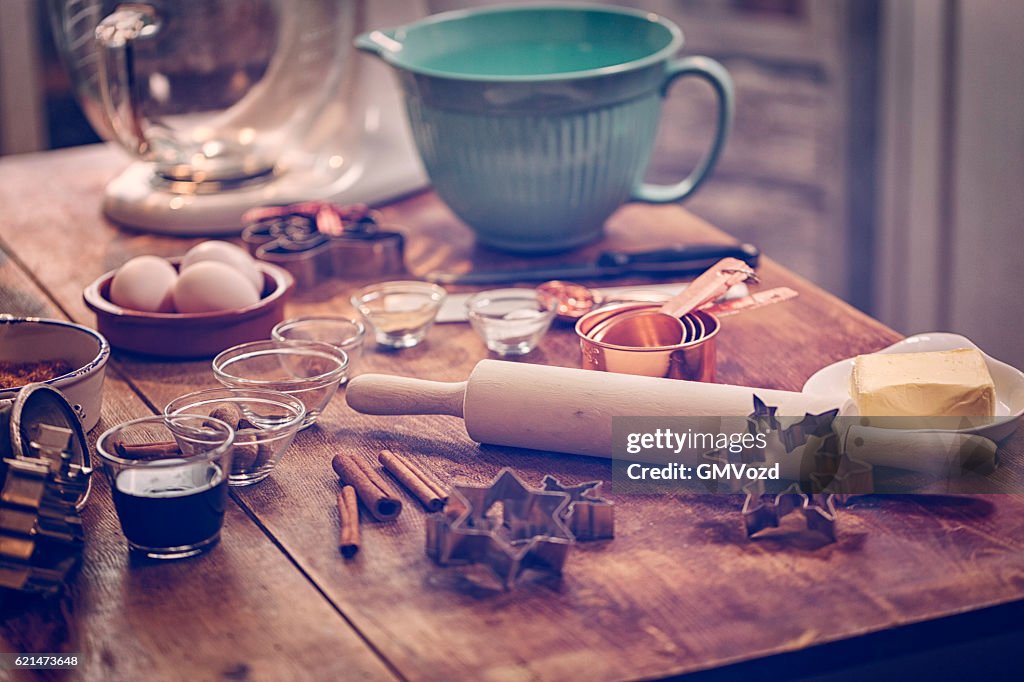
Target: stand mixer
[{"x": 227, "y": 105}]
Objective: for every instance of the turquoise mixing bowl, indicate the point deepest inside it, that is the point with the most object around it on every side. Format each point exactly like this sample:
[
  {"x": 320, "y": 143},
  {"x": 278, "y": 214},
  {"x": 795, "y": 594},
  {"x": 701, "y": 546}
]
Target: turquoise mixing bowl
[{"x": 536, "y": 122}]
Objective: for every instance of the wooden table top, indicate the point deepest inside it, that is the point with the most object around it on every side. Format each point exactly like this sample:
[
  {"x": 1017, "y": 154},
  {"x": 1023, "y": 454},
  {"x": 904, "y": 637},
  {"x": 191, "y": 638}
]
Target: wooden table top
[{"x": 680, "y": 588}]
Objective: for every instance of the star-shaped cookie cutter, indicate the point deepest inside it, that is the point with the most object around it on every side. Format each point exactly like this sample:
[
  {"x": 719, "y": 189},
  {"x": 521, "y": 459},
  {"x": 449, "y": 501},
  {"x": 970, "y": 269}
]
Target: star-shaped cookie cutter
[
  {"x": 761, "y": 511},
  {"x": 588, "y": 516},
  {"x": 318, "y": 240},
  {"x": 826, "y": 478},
  {"x": 529, "y": 534}
]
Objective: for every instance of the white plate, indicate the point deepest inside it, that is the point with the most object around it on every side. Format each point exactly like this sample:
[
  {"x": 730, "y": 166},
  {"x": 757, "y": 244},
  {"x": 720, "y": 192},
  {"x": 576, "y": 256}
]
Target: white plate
[{"x": 1009, "y": 382}]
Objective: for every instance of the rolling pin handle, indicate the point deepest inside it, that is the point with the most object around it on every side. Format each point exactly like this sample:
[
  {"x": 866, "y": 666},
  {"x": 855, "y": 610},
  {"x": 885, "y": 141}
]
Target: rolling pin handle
[{"x": 385, "y": 394}]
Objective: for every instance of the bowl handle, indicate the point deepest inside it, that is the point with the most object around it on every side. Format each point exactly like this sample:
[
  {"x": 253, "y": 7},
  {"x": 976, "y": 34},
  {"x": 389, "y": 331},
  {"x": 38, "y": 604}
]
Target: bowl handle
[{"x": 715, "y": 74}]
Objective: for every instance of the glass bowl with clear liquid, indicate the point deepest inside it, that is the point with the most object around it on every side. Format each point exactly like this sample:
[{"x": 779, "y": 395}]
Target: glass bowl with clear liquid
[{"x": 511, "y": 321}]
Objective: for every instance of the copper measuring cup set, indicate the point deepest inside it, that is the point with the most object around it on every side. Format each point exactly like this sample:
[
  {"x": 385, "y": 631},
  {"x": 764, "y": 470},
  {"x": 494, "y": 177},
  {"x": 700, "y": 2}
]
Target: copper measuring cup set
[{"x": 674, "y": 339}]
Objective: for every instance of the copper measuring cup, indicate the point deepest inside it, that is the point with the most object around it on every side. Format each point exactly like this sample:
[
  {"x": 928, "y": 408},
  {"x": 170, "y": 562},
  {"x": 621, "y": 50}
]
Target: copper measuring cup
[
  {"x": 674, "y": 339},
  {"x": 669, "y": 325},
  {"x": 634, "y": 352}
]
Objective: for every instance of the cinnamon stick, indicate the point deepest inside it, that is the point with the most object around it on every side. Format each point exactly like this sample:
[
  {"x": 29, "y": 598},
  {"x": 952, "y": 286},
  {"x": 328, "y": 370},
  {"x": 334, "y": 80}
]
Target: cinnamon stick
[
  {"x": 348, "y": 514},
  {"x": 142, "y": 450},
  {"x": 425, "y": 489},
  {"x": 374, "y": 492}
]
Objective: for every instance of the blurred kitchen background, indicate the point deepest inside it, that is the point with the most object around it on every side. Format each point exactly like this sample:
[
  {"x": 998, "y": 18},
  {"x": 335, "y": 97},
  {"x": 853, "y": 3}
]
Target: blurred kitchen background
[{"x": 878, "y": 148}]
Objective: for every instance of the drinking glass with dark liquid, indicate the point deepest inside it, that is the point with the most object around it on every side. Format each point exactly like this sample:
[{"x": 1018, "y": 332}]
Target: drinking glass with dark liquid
[{"x": 168, "y": 479}]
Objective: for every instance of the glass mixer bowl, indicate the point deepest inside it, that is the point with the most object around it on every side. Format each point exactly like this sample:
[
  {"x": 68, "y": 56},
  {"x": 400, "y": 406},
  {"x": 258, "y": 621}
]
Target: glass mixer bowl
[{"x": 213, "y": 92}]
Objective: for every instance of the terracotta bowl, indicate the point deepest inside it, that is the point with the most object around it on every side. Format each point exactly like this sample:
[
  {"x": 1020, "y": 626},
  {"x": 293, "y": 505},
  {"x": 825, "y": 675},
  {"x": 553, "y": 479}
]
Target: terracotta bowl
[{"x": 190, "y": 335}]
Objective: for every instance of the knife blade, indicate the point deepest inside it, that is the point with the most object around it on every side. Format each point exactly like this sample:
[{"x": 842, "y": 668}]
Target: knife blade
[{"x": 672, "y": 260}]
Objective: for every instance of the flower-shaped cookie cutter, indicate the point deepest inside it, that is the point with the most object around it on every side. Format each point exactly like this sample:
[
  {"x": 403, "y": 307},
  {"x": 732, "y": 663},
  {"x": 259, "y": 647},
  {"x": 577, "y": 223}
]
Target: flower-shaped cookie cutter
[{"x": 317, "y": 240}]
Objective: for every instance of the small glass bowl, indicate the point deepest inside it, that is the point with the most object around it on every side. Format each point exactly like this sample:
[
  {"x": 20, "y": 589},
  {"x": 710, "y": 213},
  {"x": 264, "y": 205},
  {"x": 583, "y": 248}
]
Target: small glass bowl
[
  {"x": 400, "y": 313},
  {"x": 308, "y": 370},
  {"x": 511, "y": 321},
  {"x": 341, "y": 332},
  {"x": 274, "y": 419},
  {"x": 167, "y": 480}
]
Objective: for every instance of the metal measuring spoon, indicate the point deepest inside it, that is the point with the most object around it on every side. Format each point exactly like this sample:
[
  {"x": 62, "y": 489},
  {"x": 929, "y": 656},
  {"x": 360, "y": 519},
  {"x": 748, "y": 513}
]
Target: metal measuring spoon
[{"x": 575, "y": 300}]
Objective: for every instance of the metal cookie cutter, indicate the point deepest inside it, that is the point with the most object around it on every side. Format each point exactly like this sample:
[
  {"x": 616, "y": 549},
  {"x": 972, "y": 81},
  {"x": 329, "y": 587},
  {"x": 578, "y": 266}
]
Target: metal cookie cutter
[
  {"x": 824, "y": 476},
  {"x": 588, "y": 516},
  {"x": 760, "y": 513},
  {"x": 529, "y": 534},
  {"x": 316, "y": 241}
]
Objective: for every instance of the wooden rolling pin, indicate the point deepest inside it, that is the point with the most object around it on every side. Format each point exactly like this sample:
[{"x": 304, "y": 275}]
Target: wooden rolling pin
[{"x": 561, "y": 409}]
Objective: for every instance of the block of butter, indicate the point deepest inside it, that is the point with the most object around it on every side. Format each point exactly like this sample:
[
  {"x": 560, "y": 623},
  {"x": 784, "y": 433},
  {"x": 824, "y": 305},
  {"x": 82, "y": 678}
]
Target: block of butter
[{"x": 934, "y": 384}]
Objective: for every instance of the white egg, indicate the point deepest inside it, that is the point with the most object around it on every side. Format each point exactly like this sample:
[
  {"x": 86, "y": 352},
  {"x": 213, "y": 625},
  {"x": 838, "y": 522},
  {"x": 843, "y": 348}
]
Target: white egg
[
  {"x": 211, "y": 285},
  {"x": 225, "y": 252},
  {"x": 144, "y": 283}
]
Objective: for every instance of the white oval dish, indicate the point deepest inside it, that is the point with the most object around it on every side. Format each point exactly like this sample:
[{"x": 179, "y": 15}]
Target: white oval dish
[{"x": 1009, "y": 381}]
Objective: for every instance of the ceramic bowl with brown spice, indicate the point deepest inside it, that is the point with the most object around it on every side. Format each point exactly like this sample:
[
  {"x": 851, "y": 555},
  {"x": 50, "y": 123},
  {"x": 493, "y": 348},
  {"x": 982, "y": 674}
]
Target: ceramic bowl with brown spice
[{"x": 70, "y": 357}]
